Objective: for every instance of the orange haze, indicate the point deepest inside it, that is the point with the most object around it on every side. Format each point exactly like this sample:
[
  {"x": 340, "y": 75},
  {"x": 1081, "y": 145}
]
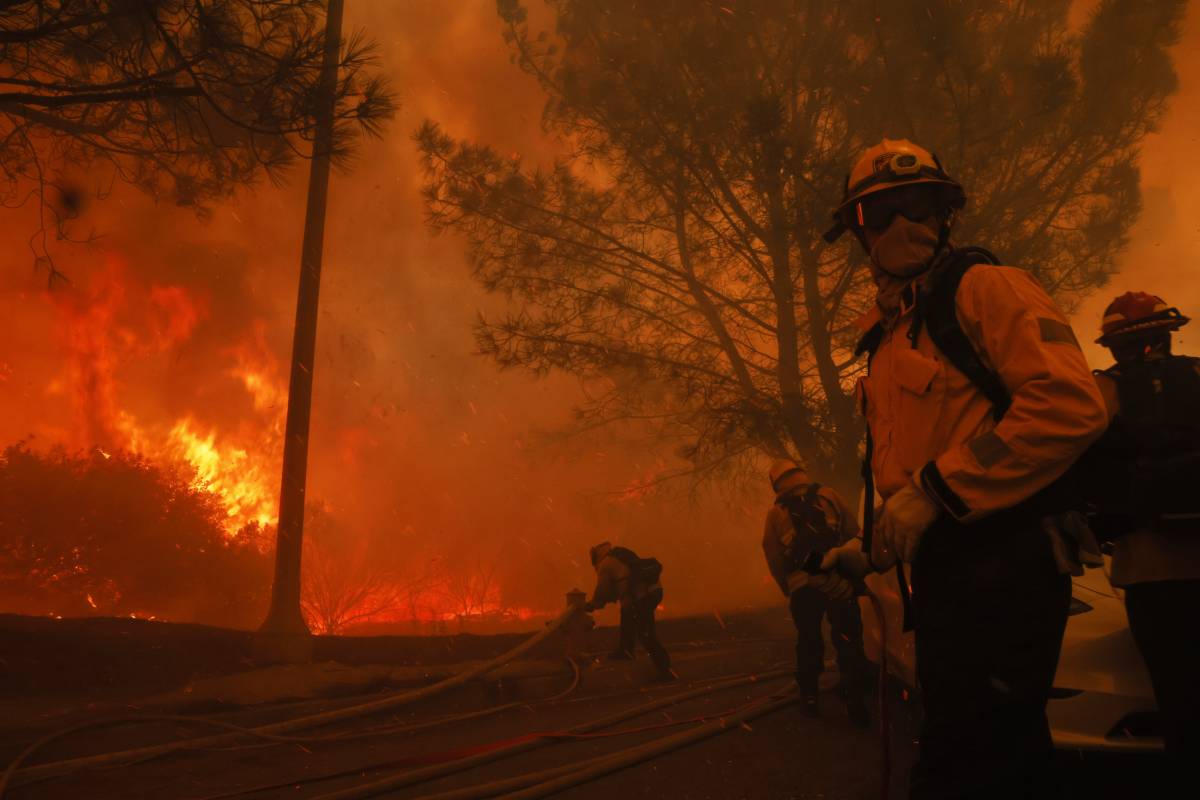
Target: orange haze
[{"x": 174, "y": 338}]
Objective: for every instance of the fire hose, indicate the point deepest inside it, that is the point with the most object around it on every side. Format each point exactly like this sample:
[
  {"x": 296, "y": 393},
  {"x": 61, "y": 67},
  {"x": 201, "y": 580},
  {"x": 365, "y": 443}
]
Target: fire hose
[
  {"x": 556, "y": 779},
  {"x": 530, "y": 785},
  {"x": 549, "y": 781},
  {"x": 546, "y": 784},
  {"x": 269, "y": 731},
  {"x": 448, "y": 762},
  {"x": 491, "y": 753}
]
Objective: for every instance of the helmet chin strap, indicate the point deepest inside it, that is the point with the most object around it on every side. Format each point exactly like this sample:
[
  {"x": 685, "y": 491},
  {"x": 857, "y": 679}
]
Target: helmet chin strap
[{"x": 943, "y": 235}]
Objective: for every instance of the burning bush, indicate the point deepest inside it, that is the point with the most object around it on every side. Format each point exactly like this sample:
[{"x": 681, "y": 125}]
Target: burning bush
[{"x": 112, "y": 534}]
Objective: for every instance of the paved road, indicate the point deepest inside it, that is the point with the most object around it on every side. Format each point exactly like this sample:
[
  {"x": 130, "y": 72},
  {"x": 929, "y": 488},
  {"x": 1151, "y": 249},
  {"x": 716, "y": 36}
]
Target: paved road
[{"x": 782, "y": 755}]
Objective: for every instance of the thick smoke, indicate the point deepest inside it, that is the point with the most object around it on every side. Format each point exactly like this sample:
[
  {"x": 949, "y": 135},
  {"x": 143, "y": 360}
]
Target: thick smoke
[{"x": 420, "y": 449}]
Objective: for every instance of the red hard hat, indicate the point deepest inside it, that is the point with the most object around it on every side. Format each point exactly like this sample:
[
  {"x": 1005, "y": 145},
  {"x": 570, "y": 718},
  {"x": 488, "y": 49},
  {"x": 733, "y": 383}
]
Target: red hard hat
[{"x": 1138, "y": 312}]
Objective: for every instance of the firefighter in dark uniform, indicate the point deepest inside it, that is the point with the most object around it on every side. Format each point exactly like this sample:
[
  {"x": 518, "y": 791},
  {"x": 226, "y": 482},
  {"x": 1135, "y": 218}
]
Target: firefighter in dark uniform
[
  {"x": 1148, "y": 503},
  {"x": 635, "y": 583},
  {"x": 978, "y": 400},
  {"x": 805, "y": 518}
]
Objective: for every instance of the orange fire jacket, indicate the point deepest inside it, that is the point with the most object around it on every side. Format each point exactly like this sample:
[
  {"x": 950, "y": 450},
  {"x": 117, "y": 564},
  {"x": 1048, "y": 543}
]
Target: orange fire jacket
[
  {"x": 931, "y": 423},
  {"x": 779, "y": 525}
]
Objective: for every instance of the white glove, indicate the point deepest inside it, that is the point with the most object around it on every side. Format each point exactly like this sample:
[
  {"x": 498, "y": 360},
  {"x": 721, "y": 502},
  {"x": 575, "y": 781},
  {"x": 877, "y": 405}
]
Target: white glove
[
  {"x": 848, "y": 560},
  {"x": 906, "y": 515},
  {"x": 832, "y": 585},
  {"x": 1073, "y": 543}
]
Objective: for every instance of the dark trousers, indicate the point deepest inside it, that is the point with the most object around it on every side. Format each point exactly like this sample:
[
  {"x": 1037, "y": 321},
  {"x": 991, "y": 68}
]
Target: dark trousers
[
  {"x": 808, "y": 606},
  {"x": 637, "y": 624},
  {"x": 990, "y": 611},
  {"x": 1162, "y": 618},
  {"x": 628, "y": 639}
]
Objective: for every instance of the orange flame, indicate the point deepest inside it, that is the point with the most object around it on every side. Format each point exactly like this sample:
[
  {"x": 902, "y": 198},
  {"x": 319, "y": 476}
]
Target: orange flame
[
  {"x": 115, "y": 321},
  {"x": 230, "y": 472}
]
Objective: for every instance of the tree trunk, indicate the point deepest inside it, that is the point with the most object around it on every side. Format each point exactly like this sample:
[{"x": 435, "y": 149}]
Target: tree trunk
[{"x": 284, "y": 617}]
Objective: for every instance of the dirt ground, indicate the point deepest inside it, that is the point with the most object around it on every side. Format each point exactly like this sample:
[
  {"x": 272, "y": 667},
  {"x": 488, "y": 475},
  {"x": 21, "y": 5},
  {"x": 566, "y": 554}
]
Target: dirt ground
[{"x": 61, "y": 673}]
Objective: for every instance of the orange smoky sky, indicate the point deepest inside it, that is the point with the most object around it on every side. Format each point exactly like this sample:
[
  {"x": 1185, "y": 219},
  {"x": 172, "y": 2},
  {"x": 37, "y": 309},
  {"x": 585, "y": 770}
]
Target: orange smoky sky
[
  {"x": 417, "y": 442},
  {"x": 1163, "y": 256}
]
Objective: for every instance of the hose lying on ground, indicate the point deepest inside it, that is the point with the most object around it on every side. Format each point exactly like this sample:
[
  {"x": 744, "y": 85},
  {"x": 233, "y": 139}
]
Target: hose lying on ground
[
  {"x": 412, "y": 777},
  {"x": 611, "y": 761},
  {"x": 636, "y": 755},
  {"x": 262, "y": 731},
  {"x": 557, "y": 779},
  {"x": 445, "y": 763},
  {"x": 393, "y": 728}
]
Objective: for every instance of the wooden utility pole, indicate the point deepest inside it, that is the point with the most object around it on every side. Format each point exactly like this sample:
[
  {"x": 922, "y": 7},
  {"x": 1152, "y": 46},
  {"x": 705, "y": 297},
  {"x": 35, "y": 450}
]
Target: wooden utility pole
[{"x": 284, "y": 619}]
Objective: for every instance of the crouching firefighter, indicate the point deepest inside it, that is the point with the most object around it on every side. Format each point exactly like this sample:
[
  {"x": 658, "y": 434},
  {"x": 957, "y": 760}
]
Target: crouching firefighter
[
  {"x": 808, "y": 519},
  {"x": 978, "y": 400},
  {"x": 634, "y": 582},
  {"x": 1147, "y": 473}
]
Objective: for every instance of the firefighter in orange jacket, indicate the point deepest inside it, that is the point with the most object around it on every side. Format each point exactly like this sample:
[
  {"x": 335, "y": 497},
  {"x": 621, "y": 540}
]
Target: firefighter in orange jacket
[
  {"x": 969, "y": 436},
  {"x": 807, "y": 517},
  {"x": 1147, "y": 499}
]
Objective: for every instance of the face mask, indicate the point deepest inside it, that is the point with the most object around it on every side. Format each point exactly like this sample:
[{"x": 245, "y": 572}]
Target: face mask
[{"x": 905, "y": 248}]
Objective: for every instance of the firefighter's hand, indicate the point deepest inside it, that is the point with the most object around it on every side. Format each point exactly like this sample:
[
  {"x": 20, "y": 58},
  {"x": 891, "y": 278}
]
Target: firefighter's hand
[
  {"x": 832, "y": 585},
  {"x": 906, "y": 515},
  {"x": 1073, "y": 543},
  {"x": 847, "y": 561}
]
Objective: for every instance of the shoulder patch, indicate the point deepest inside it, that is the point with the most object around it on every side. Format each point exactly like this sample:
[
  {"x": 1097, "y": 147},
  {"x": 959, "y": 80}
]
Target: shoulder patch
[{"x": 1054, "y": 331}]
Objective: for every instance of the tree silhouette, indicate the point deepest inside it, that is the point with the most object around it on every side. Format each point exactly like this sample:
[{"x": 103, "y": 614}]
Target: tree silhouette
[
  {"x": 187, "y": 99},
  {"x": 672, "y": 257}
]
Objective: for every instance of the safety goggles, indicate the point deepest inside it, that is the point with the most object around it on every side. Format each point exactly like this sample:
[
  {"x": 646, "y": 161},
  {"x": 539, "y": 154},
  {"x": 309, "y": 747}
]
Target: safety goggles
[{"x": 876, "y": 211}]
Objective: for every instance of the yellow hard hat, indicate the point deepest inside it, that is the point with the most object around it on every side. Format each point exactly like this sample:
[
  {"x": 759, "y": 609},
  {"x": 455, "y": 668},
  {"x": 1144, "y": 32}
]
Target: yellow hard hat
[
  {"x": 890, "y": 164},
  {"x": 781, "y": 469}
]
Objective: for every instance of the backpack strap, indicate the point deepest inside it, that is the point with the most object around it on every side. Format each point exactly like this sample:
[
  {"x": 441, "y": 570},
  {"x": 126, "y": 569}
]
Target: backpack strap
[
  {"x": 937, "y": 311},
  {"x": 869, "y": 344}
]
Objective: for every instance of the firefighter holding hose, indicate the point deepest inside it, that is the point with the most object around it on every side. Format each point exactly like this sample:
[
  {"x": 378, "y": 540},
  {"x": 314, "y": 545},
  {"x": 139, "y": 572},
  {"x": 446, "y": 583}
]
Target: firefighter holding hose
[
  {"x": 977, "y": 400},
  {"x": 807, "y": 518},
  {"x": 634, "y": 582}
]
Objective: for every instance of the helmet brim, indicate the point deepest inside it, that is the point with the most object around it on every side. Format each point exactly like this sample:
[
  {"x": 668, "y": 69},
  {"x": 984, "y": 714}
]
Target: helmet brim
[{"x": 1169, "y": 323}]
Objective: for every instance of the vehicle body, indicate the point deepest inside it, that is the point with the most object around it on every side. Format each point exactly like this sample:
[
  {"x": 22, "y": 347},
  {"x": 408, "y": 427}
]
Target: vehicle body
[{"x": 1103, "y": 699}]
